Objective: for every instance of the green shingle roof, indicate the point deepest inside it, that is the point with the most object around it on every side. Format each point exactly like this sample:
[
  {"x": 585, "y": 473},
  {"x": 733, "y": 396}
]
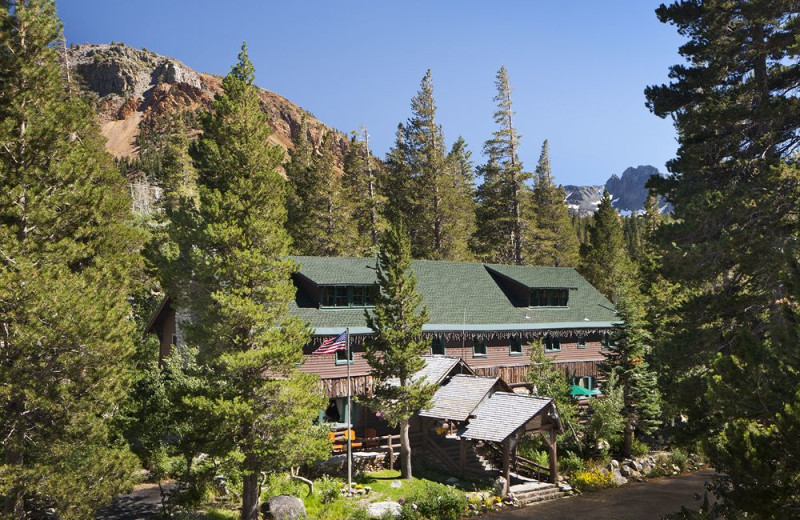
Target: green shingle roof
[{"x": 459, "y": 295}]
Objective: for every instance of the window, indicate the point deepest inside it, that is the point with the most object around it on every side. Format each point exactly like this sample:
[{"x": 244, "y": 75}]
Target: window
[
  {"x": 341, "y": 357},
  {"x": 581, "y": 341},
  {"x": 608, "y": 341},
  {"x": 437, "y": 345},
  {"x": 549, "y": 297},
  {"x": 587, "y": 382},
  {"x": 479, "y": 347},
  {"x": 347, "y": 295},
  {"x": 552, "y": 344},
  {"x": 515, "y": 346}
]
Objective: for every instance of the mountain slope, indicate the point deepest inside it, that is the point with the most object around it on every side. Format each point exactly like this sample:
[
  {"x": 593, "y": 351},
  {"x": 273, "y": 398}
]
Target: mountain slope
[
  {"x": 134, "y": 86},
  {"x": 628, "y": 193}
]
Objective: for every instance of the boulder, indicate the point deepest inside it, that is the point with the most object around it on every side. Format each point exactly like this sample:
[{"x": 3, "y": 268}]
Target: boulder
[
  {"x": 381, "y": 509},
  {"x": 619, "y": 480},
  {"x": 625, "y": 471},
  {"x": 499, "y": 485},
  {"x": 396, "y": 484},
  {"x": 614, "y": 464},
  {"x": 635, "y": 464},
  {"x": 283, "y": 507}
]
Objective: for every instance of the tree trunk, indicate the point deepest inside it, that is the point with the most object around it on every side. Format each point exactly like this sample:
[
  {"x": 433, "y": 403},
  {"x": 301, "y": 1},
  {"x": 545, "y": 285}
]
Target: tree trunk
[
  {"x": 405, "y": 451},
  {"x": 250, "y": 491},
  {"x": 627, "y": 440}
]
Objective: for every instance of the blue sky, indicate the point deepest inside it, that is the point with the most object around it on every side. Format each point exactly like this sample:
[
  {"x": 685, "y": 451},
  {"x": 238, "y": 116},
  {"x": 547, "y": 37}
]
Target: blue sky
[{"x": 578, "y": 68}]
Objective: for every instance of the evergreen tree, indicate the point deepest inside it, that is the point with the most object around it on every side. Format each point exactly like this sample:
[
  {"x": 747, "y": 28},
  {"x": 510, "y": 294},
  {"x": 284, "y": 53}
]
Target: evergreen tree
[
  {"x": 233, "y": 275},
  {"x": 425, "y": 185},
  {"x": 604, "y": 259},
  {"x": 548, "y": 380},
  {"x": 504, "y": 218},
  {"x": 67, "y": 254},
  {"x": 394, "y": 350},
  {"x": 555, "y": 242},
  {"x": 361, "y": 184},
  {"x": 625, "y": 359},
  {"x": 733, "y": 245},
  {"x": 459, "y": 161}
]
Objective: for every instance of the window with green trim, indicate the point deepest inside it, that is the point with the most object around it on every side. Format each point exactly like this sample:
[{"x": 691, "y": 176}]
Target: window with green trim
[
  {"x": 581, "y": 341},
  {"x": 341, "y": 357},
  {"x": 515, "y": 346},
  {"x": 437, "y": 346},
  {"x": 347, "y": 295},
  {"x": 479, "y": 347},
  {"x": 552, "y": 344},
  {"x": 549, "y": 297}
]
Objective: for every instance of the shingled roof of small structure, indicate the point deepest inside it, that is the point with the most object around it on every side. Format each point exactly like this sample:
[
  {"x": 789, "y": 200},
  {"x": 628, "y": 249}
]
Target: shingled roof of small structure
[
  {"x": 502, "y": 414},
  {"x": 459, "y": 397}
]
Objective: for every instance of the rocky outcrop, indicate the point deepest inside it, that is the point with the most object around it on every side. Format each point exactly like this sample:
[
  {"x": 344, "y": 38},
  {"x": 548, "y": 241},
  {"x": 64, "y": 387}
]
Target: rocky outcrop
[
  {"x": 136, "y": 86},
  {"x": 628, "y": 193}
]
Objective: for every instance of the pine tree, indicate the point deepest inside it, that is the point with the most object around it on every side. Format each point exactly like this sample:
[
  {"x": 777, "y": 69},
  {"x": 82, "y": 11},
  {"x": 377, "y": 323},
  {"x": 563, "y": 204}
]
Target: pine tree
[
  {"x": 394, "y": 350},
  {"x": 462, "y": 213},
  {"x": 67, "y": 254},
  {"x": 604, "y": 259},
  {"x": 504, "y": 217},
  {"x": 626, "y": 361},
  {"x": 234, "y": 253},
  {"x": 555, "y": 242},
  {"x": 548, "y": 380},
  {"x": 424, "y": 184},
  {"x": 361, "y": 184},
  {"x": 733, "y": 245}
]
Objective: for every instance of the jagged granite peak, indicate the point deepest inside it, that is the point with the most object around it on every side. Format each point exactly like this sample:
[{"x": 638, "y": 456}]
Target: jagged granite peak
[
  {"x": 135, "y": 85},
  {"x": 628, "y": 193}
]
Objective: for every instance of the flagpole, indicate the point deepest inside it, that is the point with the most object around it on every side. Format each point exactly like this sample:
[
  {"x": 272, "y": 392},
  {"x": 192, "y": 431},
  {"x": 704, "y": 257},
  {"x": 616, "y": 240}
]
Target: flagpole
[{"x": 349, "y": 423}]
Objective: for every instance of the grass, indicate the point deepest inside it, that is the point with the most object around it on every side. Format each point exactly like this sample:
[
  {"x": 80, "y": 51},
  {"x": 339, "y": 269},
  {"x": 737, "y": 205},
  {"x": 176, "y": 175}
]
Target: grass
[{"x": 380, "y": 482}]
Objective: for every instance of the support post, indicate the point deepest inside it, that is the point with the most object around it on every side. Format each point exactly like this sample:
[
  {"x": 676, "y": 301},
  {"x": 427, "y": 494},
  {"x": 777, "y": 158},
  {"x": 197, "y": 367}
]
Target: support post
[
  {"x": 553, "y": 457},
  {"x": 391, "y": 451},
  {"x": 507, "y": 465},
  {"x": 462, "y": 456}
]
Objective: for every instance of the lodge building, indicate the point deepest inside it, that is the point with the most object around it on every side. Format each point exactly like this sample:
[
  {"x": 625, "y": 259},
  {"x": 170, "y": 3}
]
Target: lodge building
[{"x": 486, "y": 314}]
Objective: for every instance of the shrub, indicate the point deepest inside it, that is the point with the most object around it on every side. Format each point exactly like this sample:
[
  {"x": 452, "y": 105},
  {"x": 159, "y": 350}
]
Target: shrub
[
  {"x": 328, "y": 489},
  {"x": 592, "y": 480},
  {"x": 435, "y": 502},
  {"x": 639, "y": 449},
  {"x": 281, "y": 484},
  {"x": 570, "y": 464},
  {"x": 679, "y": 458}
]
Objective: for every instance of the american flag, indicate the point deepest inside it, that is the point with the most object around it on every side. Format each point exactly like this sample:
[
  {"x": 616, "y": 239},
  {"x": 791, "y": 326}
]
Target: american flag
[{"x": 329, "y": 346}]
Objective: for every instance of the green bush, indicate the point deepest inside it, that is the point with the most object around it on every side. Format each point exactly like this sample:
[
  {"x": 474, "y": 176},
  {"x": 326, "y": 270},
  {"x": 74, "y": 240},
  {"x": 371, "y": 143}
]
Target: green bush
[
  {"x": 281, "y": 484},
  {"x": 592, "y": 480},
  {"x": 639, "y": 449},
  {"x": 434, "y": 501},
  {"x": 679, "y": 458},
  {"x": 570, "y": 464},
  {"x": 328, "y": 489}
]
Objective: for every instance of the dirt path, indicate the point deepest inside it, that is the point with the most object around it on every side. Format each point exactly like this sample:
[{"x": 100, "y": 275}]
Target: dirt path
[
  {"x": 641, "y": 501},
  {"x": 141, "y": 504}
]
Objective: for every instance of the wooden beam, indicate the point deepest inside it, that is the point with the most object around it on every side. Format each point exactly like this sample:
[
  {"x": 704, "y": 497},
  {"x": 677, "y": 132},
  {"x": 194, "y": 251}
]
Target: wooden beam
[
  {"x": 507, "y": 466},
  {"x": 462, "y": 456},
  {"x": 553, "y": 451}
]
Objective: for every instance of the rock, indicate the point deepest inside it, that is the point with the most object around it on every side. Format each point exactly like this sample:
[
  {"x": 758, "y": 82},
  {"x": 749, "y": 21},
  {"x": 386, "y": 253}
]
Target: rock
[
  {"x": 625, "y": 471},
  {"x": 634, "y": 474},
  {"x": 452, "y": 481},
  {"x": 396, "y": 484},
  {"x": 499, "y": 485},
  {"x": 614, "y": 464},
  {"x": 283, "y": 507},
  {"x": 675, "y": 468},
  {"x": 381, "y": 509},
  {"x": 636, "y": 465},
  {"x": 619, "y": 480}
]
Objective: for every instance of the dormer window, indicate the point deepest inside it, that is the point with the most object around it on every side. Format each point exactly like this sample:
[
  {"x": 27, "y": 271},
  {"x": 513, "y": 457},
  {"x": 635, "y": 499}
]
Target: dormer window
[
  {"x": 347, "y": 295},
  {"x": 549, "y": 297}
]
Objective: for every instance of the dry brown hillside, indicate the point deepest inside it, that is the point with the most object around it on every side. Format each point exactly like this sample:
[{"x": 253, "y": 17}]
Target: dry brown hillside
[{"x": 135, "y": 85}]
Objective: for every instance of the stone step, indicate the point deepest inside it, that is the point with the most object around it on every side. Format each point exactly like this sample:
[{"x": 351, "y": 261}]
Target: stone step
[{"x": 533, "y": 497}]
